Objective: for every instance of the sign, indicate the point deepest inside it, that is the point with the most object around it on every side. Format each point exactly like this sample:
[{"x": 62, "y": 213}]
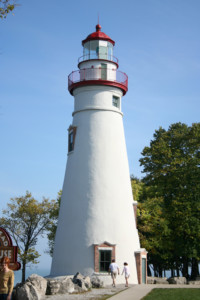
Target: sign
[{"x": 7, "y": 249}]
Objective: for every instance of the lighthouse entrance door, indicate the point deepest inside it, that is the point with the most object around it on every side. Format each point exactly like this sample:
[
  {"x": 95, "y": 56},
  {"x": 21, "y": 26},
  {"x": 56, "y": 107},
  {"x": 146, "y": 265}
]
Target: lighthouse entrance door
[
  {"x": 144, "y": 270},
  {"x": 103, "y": 71}
]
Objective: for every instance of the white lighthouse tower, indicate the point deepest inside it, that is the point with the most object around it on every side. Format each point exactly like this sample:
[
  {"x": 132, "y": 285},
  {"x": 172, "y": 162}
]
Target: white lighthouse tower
[{"x": 96, "y": 220}]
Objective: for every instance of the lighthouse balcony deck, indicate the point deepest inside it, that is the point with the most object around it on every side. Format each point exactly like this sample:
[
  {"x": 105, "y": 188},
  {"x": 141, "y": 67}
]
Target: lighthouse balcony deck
[{"x": 98, "y": 76}]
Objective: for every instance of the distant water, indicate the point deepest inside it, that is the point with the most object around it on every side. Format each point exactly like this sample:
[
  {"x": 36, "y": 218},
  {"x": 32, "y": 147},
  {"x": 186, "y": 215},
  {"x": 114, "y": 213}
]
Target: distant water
[{"x": 29, "y": 271}]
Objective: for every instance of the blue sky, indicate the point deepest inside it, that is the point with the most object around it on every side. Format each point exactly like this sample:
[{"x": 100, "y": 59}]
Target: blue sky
[{"x": 158, "y": 46}]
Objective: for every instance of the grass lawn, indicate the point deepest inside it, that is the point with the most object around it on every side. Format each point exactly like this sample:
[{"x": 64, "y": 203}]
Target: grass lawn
[{"x": 173, "y": 294}]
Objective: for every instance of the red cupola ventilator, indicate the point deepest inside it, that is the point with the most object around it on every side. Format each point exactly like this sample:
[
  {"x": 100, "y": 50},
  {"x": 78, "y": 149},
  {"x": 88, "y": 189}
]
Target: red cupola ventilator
[{"x": 98, "y": 35}]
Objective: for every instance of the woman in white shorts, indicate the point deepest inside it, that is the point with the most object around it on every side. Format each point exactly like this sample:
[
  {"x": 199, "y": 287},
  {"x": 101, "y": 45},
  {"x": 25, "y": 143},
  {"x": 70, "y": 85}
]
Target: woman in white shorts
[{"x": 126, "y": 272}]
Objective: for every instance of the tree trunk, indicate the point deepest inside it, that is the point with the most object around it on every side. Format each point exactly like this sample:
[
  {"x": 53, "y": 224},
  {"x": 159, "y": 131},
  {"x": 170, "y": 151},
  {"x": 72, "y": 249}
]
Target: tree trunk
[
  {"x": 185, "y": 268},
  {"x": 172, "y": 272},
  {"x": 195, "y": 268},
  {"x": 177, "y": 270},
  {"x": 160, "y": 271},
  {"x": 148, "y": 271},
  {"x": 155, "y": 270},
  {"x": 23, "y": 271}
]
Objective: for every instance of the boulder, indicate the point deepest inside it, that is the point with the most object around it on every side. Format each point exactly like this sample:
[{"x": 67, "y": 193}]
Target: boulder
[
  {"x": 27, "y": 292},
  {"x": 161, "y": 280},
  {"x": 80, "y": 289},
  {"x": 177, "y": 280},
  {"x": 38, "y": 282},
  {"x": 87, "y": 282},
  {"x": 150, "y": 280},
  {"x": 60, "y": 286},
  {"x": 53, "y": 286},
  {"x": 34, "y": 288},
  {"x": 81, "y": 283},
  {"x": 194, "y": 282},
  {"x": 96, "y": 282},
  {"x": 66, "y": 286}
]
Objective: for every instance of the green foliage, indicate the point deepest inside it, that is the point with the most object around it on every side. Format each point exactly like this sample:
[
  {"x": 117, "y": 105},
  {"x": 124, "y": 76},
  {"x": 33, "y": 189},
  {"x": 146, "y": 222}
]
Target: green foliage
[
  {"x": 136, "y": 187},
  {"x": 173, "y": 294},
  {"x": 6, "y": 6},
  {"x": 169, "y": 208},
  {"x": 52, "y": 229},
  {"x": 26, "y": 219}
]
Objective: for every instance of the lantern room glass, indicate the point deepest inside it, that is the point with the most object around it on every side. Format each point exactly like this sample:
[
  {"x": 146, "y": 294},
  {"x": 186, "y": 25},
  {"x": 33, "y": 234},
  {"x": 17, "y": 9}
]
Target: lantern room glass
[{"x": 98, "y": 49}]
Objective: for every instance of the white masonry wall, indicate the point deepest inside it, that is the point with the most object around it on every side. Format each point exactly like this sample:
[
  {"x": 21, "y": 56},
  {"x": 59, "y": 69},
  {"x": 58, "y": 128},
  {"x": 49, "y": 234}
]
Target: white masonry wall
[{"x": 96, "y": 204}]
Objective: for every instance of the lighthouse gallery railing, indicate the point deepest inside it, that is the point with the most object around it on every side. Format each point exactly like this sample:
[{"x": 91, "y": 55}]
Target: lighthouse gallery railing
[
  {"x": 98, "y": 74},
  {"x": 98, "y": 56}
]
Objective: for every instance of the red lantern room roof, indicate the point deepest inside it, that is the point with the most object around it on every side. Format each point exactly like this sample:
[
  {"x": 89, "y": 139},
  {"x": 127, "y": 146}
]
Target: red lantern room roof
[{"x": 98, "y": 35}]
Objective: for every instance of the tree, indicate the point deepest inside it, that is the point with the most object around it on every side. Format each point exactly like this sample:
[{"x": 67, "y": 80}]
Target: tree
[
  {"x": 26, "y": 219},
  {"x": 171, "y": 166},
  {"x": 136, "y": 184},
  {"x": 6, "y": 6},
  {"x": 52, "y": 229},
  {"x": 154, "y": 231}
]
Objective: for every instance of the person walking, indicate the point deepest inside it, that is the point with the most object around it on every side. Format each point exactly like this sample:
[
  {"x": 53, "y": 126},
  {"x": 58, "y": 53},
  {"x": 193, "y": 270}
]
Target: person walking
[
  {"x": 113, "y": 269},
  {"x": 6, "y": 279},
  {"x": 126, "y": 272}
]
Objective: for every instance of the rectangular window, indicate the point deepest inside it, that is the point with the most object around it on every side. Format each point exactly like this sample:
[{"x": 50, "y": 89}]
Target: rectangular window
[
  {"x": 71, "y": 141},
  {"x": 71, "y": 138},
  {"x": 116, "y": 101},
  {"x": 94, "y": 45},
  {"x": 104, "y": 260}
]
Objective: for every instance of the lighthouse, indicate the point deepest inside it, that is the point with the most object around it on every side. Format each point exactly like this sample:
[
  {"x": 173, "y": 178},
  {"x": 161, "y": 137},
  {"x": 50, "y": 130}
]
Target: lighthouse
[{"x": 97, "y": 221}]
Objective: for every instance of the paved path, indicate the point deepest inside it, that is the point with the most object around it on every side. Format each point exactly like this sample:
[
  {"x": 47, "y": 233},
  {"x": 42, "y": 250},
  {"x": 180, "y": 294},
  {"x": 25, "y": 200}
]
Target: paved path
[
  {"x": 137, "y": 292},
  {"x": 134, "y": 292}
]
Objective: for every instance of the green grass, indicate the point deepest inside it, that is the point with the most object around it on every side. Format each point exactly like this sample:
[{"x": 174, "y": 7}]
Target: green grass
[{"x": 173, "y": 294}]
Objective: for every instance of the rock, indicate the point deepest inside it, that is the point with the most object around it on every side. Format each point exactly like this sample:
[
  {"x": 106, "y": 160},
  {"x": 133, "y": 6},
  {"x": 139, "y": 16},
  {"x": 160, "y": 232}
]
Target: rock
[
  {"x": 78, "y": 278},
  {"x": 87, "y": 282},
  {"x": 194, "y": 282},
  {"x": 53, "y": 287},
  {"x": 36, "y": 287},
  {"x": 82, "y": 284},
  {"x": 80, "y": 289},
  {"x": 96, "y": 282},
  {"x": 27, "y": 292},
  {"x": 60, "y": 286},
  {"x": 150, "y": 280},
  {"x": 66, "y": 286},
  {"x": 177, "y": 280},
  {"x": 160, "y": 280},
  {"x": 38, "y": 282},
  {"x": 33, "y": 289}
]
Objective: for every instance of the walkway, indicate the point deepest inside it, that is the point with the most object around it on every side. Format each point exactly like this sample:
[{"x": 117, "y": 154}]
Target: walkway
[{"x": 137, "y": 292}]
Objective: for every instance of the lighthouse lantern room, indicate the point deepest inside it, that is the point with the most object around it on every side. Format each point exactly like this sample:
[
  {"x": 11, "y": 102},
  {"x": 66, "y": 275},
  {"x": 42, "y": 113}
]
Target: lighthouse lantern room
[{"x": 96, "y": 221}]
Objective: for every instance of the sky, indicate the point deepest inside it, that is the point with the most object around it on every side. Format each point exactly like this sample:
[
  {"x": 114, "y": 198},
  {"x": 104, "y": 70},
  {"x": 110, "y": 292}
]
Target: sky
[{"x": 158, "y": 47}]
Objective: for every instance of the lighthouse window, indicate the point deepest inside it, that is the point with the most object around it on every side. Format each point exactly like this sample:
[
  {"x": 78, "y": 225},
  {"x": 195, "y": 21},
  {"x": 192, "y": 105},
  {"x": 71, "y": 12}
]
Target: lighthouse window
[
  {"x": 110, "y": 51},
  {"x": 86, "y": 51},
  {"x": 104, "y": 260},
  {"x": 71, "y": 138},
  {"x": 94, "y": 49},
  {"x": 116, "y": 101}
]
